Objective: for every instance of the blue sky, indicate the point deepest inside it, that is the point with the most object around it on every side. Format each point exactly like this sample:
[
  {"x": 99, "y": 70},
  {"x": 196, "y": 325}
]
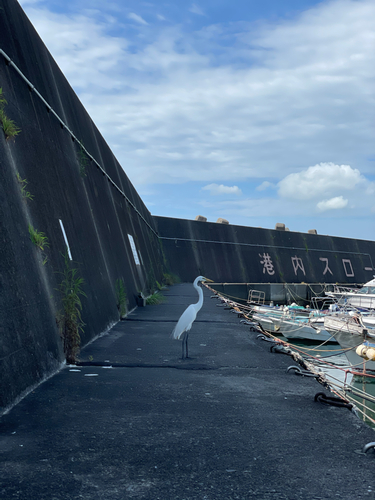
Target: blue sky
[{"x": 254, "y": 111}]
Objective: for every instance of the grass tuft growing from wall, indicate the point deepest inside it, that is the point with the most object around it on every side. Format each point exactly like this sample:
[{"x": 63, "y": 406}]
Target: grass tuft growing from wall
[
  {"x": 121, "y": 297},
  {"x": 9, "y": 127},
  {"x": 69, "y": 318},
  {"x": 170, "y": 279},
  {"x": 83, "y": 161},
  {"x": 38, "y": 238},
  {"x": 155, "y": 299},
  {"x": 26, "y": 195}
]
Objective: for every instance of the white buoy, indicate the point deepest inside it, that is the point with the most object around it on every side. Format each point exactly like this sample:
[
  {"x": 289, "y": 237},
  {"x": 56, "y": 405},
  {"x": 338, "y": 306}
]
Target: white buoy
[
  {"x": 370, "y": 354},
  {"x": 362, "y": 351}
]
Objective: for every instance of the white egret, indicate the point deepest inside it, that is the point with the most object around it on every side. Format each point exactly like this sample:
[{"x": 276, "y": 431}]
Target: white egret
[{"x": 187, "y": 318}]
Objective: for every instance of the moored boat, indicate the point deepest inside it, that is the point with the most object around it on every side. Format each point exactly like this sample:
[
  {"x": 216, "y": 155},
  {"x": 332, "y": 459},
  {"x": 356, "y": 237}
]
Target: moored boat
[
  {"x": 350, "y": 333},
  {"x": 363, "y": 297},
  {"x": 269, "y": 323},
  {"x": 298, "y": 327},
  {"x": 305, "y": 329},
  {"x": 345, "y": 323}
]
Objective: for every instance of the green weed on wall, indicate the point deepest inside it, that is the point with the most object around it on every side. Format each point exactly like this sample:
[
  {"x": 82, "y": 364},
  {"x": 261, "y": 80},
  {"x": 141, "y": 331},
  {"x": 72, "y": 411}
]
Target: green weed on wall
[
  {"x": 9, "y": 127},
  {"x": 26, "y": 195},
  {"x": 121, "y": 297},
  {"x": 69, "y": 317}
]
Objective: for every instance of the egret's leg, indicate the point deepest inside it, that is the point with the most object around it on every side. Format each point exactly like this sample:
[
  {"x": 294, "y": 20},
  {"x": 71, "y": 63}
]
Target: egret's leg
[
  {"x": 183, "y": 346},
  {"x": 186, "y": 347}
]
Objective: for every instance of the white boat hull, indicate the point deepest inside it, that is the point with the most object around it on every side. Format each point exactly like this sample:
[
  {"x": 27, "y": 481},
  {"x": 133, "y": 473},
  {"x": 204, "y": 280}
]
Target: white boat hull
[
  {"x": 299, "y": 330},
  {"x": 343, "y": 323},
  {"x": 350, "y": 335},
  {"x": 268, "y": 323},
  {"x": 362, "y": 298},
  {"x": 293, "y": 329},
  {"x": 358, "y": 300}
]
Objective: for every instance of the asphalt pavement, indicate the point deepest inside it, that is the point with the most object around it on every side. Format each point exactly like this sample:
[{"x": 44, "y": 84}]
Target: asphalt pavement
[{"x": 134, "y": 421}]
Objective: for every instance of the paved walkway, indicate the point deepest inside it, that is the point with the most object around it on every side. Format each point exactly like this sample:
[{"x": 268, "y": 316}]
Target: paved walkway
[{"x": 230, "y": 423}]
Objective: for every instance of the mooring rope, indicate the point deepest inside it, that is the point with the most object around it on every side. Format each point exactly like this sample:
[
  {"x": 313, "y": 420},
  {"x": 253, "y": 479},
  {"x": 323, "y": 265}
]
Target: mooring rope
[
  {"x": 340, "y": 388},
  {"x": 298, "y": 349}
]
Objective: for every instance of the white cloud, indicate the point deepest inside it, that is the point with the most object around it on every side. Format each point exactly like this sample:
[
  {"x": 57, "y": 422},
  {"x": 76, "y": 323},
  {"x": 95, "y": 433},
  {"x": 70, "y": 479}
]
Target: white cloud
[
  {"x": 81, "y": 48},
  {"x": 219, "y": 189},
  {"x": 265, "y": 185},
  {"x": 308, "y": 97},
  {"x": 319, "y": 180},
  {"x": 332, "y": 204},
  {"x": 177, "y": 105},
  {"x": 136, "y": 18},
  {"x": 195, "y": 9}
]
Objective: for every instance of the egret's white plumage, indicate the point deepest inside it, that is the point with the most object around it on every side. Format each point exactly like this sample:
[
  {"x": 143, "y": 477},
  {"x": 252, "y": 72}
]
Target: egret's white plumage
[{"x": 187, "y": 318}]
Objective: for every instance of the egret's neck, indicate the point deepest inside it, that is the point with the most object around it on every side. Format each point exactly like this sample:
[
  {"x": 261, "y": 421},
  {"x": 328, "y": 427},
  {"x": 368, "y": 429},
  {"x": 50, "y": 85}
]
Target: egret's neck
[{"x": 199, "y": 304}]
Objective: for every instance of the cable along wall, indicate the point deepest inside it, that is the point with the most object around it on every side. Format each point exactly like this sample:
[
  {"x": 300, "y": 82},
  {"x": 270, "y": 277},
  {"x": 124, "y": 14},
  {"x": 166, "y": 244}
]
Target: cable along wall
[{"x": 32, "y": 88}]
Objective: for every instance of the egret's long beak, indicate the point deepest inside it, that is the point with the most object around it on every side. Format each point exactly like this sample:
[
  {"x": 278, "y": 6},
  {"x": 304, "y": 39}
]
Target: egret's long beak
[{"x": 207, "y": 279}]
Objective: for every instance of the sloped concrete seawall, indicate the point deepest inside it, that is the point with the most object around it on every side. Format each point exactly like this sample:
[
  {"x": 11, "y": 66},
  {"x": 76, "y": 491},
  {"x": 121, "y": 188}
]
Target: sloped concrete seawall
[
  {"x": 238, "y": 254},
  {"x": 109, "y": 230}
]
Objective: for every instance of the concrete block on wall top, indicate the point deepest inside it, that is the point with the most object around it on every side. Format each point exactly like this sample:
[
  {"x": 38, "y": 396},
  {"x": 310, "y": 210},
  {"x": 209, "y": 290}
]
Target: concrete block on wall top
[
  {"x": 201, "y": 218},
  {"x": 280, "y": 226},
  {"x": 222, "y": 221},
  {"x": 312, "y": 231}
]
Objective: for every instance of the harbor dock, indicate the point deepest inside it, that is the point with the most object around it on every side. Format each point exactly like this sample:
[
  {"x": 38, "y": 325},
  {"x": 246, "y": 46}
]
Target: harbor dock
[{"x": 135, "y": 421}]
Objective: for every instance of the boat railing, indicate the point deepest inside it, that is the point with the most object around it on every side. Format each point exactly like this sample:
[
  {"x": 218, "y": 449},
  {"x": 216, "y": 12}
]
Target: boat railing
[
  {"x": 256, "y": 297},
  {"x": 322, "y": 303},
  {"x": 344, "y": 289}
]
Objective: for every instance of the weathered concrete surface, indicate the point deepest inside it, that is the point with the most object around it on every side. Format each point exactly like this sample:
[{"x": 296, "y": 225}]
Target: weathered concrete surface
[
  {"x": 66, "y": 185},
  {"x": 240, "y": 254},
  {"x": 229, "y": 423}
]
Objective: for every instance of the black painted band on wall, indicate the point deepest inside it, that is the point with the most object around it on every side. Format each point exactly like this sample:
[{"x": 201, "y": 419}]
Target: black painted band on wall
[{"x": 235, "y": 254}]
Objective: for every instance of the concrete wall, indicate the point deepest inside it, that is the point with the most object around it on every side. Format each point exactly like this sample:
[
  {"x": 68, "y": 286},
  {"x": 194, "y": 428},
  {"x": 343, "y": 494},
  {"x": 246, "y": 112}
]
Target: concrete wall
[
  {"x": 96, "y": 215},
  {"x": 237, "y": 254}
]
